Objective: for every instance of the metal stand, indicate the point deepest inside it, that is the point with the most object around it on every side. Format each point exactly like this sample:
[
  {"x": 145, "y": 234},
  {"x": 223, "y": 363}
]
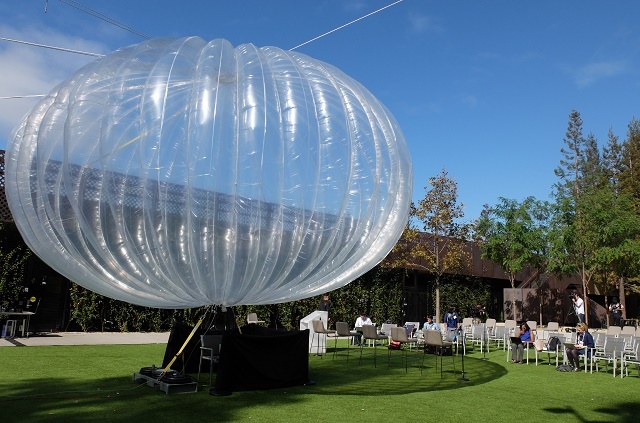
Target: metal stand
[
  {"x": 462, "y": 378},
  {"x": 485, "y": 343},
  {"x": 167, "y": 388}
]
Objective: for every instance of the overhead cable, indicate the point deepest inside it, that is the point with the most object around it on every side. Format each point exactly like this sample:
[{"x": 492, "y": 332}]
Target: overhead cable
[
  {"x": 89, "y": 11},
  {"x": 92, "y": 12},
  {"x": 347, "y": 24},
  {"x": 68, "y": 50},
  {"x": 9, "y": 97}
]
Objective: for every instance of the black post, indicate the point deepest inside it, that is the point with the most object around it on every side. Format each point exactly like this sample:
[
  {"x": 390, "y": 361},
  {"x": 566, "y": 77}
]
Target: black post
[
  {"x": 462, "y": 378},
  {"x": 485, "y": 342}
]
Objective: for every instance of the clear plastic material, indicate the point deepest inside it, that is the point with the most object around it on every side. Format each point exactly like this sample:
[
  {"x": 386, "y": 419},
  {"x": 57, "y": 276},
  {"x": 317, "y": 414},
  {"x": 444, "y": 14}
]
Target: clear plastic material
[{"x": 178, "y": 173}]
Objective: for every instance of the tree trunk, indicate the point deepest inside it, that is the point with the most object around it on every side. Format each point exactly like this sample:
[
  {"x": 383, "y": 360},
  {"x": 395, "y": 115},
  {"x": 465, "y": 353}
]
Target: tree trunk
[
  {"x": 585, "y": 301},
  {"x": 622, "y": 297},
  {"x": 540, "y": 307},
  {"x": 437, "y": 299},
  {"x": 512, "y": 278}
]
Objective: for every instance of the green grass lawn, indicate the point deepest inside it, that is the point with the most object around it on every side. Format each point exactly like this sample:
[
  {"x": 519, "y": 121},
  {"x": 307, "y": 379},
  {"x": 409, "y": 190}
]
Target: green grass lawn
[{"x": 79, "y": 383}]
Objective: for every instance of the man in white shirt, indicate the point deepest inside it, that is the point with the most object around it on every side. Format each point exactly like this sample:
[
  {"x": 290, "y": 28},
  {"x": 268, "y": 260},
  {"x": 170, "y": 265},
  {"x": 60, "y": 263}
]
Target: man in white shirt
[
  {"x": 578, "y": 306},
  {"x": 360, "y": 322},
  {"x": 430, "y": 324}
]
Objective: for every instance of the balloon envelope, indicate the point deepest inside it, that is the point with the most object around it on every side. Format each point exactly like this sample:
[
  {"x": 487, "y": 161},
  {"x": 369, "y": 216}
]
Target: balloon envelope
[{"x": 179, "y": 173}]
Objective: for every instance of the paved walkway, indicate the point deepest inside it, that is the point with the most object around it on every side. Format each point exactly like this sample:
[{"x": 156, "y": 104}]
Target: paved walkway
[{"x": 91, "y": 338}]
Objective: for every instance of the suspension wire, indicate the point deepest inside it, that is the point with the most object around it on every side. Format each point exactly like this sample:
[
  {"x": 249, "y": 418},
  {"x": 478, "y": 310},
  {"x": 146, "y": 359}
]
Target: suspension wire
[
  {"x": 89, "y": 11},
  {"x": 68, "y": 50},
  {"x": 347, "y": 24},
  {"x": 22, "y": 96}
]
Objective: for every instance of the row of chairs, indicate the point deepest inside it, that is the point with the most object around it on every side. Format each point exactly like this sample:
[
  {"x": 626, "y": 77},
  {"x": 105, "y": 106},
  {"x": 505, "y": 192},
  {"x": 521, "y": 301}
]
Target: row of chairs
[
  {"x": 623, "y": 349},
  {"x": 402, "y": 335}
]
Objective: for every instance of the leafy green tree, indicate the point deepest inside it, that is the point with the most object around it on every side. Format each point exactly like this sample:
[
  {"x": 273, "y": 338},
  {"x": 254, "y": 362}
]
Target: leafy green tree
[
  {"x": 571, "y": 247},
  {"x": 514, "y": 235},
  {"x": 630, "y": 167},
  {"x": 435, "y": 239},
  {"x": 595, "y": 229},
  {"x": 622, "y": 166}
]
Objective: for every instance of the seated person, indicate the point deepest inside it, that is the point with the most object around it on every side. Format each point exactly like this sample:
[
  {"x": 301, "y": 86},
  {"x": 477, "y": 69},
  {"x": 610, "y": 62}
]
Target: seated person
[
  {"x": 517, "y": 349},
  {"x": 584, "y": 345},
  {"x": 360, "y": 322},
  {"x": 479, "y": 314},
  {"x": 430, "y": 324}
]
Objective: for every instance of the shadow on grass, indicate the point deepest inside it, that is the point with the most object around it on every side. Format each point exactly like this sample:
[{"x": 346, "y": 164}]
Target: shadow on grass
[
  {"x": 121, "y": 400},
  {"x": 624, "y": 412},
  {"x": 76, "y": 396},
  {"x": 337, "y": 377}
]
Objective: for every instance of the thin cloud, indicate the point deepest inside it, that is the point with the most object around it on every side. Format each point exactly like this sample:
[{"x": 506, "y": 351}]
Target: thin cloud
[
  {"x": 354, "y": 6},
  {"x": 593, "y": 72},
  {"x": 470, "y": 100},
  {"x": 421, "y": 24},
  {"x": 29, "y": 70}
]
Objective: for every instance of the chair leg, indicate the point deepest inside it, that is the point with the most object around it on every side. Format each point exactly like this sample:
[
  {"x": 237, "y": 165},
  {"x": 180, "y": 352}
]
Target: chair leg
[
  {"x": 316, "y": 336},
  {"x": 374, "y": 354},
  {"x": 453, "y": 359}
]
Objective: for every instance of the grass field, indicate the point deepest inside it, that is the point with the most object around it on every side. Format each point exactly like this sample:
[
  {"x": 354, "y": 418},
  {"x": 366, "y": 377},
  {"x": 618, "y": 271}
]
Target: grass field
[{"x": 81, "y": 383}]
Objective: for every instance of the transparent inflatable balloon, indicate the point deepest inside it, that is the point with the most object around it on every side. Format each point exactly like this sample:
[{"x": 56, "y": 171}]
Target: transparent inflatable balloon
[{"x": 179, "y": 173}]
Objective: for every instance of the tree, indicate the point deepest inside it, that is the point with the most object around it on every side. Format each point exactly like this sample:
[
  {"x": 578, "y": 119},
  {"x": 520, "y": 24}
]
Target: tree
[
  {"x": 625, "y": 166},
  {"x": 569, "y": 171},
  {"x": 514, "y": 235},
  {"x": 612, "y": 160},
  {"x": 630, "y": 167},
  {"x": 571, "y": 244},
  {"x": 595, "y": 229},
  {"x": 434, "y": 239}
]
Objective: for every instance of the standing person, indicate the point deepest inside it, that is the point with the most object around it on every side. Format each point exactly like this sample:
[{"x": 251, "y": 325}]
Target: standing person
[
  {"x": 616, "y": 308},
  {"x": 584, "y": 345},
  {"x": 452, "y": 323},
  {"x": 325, "y": 304},
  {"x": 360, "y": 322},
  {"x": 578, "y": 306},
  {"x": 517, "y": 349}
]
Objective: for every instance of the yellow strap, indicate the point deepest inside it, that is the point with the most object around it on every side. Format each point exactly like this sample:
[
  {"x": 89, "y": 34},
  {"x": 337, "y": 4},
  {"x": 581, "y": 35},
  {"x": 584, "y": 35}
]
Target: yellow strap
[{"x": 195, "y": 328}]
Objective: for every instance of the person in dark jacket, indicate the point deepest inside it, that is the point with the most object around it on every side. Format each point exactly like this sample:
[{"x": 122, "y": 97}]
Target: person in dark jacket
[{"x": 584, "y": 346}]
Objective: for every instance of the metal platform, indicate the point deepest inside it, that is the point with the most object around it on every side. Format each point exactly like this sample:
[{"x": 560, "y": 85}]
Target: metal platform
[{"x": 167, "y": 388}]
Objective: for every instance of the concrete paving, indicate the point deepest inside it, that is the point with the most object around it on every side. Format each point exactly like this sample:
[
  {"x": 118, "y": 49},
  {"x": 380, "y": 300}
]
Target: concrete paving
[{"x": 86, "y": 338}]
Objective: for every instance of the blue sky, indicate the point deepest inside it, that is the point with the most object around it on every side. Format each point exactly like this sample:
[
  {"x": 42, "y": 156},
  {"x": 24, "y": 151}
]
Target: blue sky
[{"x": 483, "y": 89}]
